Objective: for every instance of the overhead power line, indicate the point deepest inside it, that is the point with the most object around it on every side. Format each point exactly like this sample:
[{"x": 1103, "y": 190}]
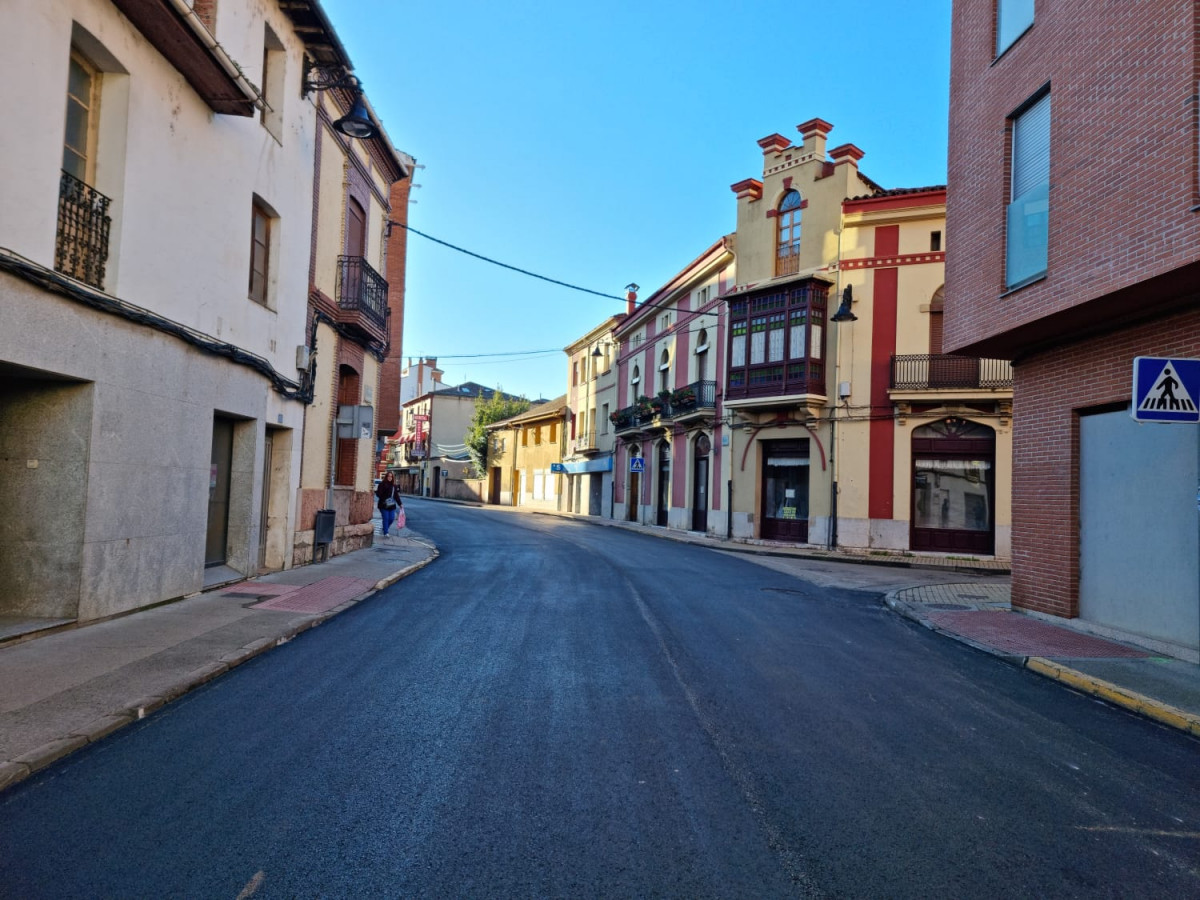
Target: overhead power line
[{"x": 496, "y": 262}]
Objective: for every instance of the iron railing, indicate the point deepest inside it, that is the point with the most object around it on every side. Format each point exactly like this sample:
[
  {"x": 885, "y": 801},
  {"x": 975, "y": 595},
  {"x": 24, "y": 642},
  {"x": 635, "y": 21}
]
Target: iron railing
[
  {"x": 787, "y": 260},
  {"x": 698, "y": 396},
  {"x": 933, "y": 371},
  {"x": 81, "y": 248},
  {"x": 360, "y": 288}
]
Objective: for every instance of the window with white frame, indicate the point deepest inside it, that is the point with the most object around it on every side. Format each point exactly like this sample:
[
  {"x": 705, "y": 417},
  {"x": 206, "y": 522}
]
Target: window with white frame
[
  {"x": 664, "y": 371},
  {"x": 664, "y": 321},
  {"x": 1013, "y": 19},
  {"x": 1028, "y": 213}
]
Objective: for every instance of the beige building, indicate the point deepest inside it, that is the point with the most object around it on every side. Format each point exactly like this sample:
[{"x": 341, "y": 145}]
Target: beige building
[
  {"x": 525, "y": 458},
  {"x": 155, "y": 234},
  {"x": 431, "y": 449},
  {"x": 591, "y": 403},
  {"x": 352, "y": 326}
]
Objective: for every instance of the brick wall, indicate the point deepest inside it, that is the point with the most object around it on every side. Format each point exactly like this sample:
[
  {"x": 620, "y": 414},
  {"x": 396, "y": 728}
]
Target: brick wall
[
  {"x": 387, "y": 407},
  {"x": 1123, "y": 167},
  {"x": 1050, "y": 390}
]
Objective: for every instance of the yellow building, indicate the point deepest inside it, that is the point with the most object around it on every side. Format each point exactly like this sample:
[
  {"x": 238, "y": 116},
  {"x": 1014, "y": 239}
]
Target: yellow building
[
  {"x": 525, "y": 458},
  {"x": 849, "y": 426}
]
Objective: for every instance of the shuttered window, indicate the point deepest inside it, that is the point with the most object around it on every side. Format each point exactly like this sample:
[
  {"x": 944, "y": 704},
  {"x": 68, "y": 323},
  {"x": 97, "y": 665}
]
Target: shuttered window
[{"x": 1029, "y": 207}]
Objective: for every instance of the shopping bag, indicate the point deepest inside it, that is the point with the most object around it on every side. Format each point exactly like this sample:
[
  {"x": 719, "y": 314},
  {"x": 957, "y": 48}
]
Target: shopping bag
[{"x": 401, "y": 518}]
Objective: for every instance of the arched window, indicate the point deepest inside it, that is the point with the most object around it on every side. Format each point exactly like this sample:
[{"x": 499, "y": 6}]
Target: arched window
[
  {"x": 636, "y": 378},
  {"x": 664, "y": 371},
  {"x": 935, "y": 321},
  {"x": 787, "y": 260},
  {"x": 349, "y": 383},
  {"x": 702, "y": 355}
]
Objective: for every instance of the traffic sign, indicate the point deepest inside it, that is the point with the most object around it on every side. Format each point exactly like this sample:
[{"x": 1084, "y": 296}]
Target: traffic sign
[
  {"x": 557, "y": 467},
  {"x": 637, "y": 464},
  {"x": 1166, "y": 390}
]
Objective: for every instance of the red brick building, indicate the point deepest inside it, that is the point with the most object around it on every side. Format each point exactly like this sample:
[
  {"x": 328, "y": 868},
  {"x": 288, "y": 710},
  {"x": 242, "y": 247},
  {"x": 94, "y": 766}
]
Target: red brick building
[{"x": 1074, "y": 211}]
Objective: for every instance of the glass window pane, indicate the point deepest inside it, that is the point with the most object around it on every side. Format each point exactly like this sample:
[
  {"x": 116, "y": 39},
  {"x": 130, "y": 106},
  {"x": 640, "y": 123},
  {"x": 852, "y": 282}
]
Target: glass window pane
[
  {"x": 776, "y": 348},
  {"x": 737, "y": 355},
  {"x": 817, "y": 345},
  {"x": 758, "y": 347},
  {"x": 74, "y": 164},
  {"x": 797, "y": 339},
  {"x": 786, "y": 489},
  {"x": 1012, "y": 18},
  {"x": 1027, "y": 235},
  {"x": 79, "y": 82},
  {"x": 953, "y": 494}
]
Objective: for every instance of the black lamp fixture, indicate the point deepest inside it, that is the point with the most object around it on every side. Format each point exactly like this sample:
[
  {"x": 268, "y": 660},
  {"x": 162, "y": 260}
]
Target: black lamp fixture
[
  {"x": 844, "y": 313},
  {"x": 596, "y": 352},
  {"x": 357, "y": 123}
]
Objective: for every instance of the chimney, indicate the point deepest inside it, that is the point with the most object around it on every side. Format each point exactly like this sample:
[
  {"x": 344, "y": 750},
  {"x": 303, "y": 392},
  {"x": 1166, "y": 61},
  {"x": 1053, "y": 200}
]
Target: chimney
[
  {"x": 630, "y": 299},
  {"x": 814, "y": 131}
]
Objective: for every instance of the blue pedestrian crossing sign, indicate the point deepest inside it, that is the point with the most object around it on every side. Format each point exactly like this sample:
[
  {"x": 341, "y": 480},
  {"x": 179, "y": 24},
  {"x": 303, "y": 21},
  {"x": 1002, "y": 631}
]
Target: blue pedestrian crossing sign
[
  {"x": 637, "y": 464},
  {"x": 1166, "y": 390}
]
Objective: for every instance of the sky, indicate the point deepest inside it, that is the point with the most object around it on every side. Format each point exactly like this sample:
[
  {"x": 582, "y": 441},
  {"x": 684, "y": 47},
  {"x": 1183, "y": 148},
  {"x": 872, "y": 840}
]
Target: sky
[{"x": 595, "y": 144}]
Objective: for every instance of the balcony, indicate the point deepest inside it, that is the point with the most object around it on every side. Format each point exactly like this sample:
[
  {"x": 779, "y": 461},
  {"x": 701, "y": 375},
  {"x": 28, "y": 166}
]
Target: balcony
[
  {"x": 362, "y": 298},
  {"x": 81, "y": 248},
  {"x": 585, "y": 443},
  {"x": 696, "y": 400},
  {"x": 787, "y": 260},
  {"x": 944, "y": 371}
]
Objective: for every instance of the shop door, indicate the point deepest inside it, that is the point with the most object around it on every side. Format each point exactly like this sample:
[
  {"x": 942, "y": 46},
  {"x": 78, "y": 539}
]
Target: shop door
[
  {"x": 663, "y": 507},
  {"x": 953, "y": 507},
  {"x": 785, "y": 491},
  {"x": 221, "y": 461},
  {"x": 494, "y": 486},
  {"x": 595, "y": 493}
]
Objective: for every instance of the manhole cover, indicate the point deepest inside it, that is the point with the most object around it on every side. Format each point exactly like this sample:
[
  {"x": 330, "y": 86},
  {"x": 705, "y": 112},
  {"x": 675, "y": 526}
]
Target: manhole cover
[{"x": 945, "y": 606}]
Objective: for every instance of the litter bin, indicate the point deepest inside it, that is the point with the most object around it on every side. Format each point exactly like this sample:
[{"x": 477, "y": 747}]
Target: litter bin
[{"x": 323, "y": 527}]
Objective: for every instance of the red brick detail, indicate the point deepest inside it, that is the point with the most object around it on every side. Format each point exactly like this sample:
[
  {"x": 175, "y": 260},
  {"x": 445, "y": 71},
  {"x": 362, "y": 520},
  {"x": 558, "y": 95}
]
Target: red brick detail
[
  {"x": 906, "y": 259},
  {"x": 887, "y": 241},
  {"x": 748, "y": 187},
  {"x": 814, "y": 126},
  {"x": 206, "y": 11},
  {"x": 772, "y": 213},
  {"x": 881, "y": 489},
  {"x": 846, "y": 153},
  {"x": 774, "y": 143},
  {"x": 787, "y": 183},
  {"x": 387, "y": 407}
]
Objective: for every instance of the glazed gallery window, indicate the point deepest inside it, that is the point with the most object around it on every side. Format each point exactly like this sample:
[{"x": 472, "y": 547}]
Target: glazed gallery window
[
  {"x": 1028, "y": 212},
  {"x": 1013, "y": 18}
]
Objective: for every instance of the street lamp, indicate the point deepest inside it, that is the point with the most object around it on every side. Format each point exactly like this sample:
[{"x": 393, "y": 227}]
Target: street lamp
[
  {"x": 843, "y": 314},
  {"x": 358, "y": 122}
]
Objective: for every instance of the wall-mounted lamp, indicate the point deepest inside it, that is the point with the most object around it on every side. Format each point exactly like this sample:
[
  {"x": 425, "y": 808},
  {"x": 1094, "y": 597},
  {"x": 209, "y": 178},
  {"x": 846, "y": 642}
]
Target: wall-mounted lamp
[
  {"x": 844, "y": 313},
  {"x": 356, "y": 123}
]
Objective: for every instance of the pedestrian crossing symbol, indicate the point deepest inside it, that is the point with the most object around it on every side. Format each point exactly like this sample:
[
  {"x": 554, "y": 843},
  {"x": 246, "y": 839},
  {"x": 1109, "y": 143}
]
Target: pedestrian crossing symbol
[
  {"x": 637, "y": 464},
  {"x": 1166, "y": 390}
]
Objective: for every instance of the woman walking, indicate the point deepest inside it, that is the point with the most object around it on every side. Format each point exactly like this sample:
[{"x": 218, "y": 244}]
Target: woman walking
[{"x": 389, "y": 501}]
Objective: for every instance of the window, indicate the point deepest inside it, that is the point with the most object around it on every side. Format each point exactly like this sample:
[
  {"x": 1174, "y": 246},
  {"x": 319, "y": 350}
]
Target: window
[
  {"x": 524, "y": 437},
  {"x": 664, "y": 371},
  {"x": 575, "y": 372},
  {"x": 537, "y": 435},
  {"x": 935, "y": 241},
  {"x": 79, "y": 143},
  {"x": 1029, "y": 208},
  {"x": 777, "y": 342},
  {"x": 349, "y": 388},
  {"x": 604, "y": 419},
  {"x": 553, "y": 432},
  {"x": 664, "y": 322},
  {"x": 1013, "y": 18},
  {"x": 273, "y": 81},
  {"x": 702, "y": 356},
  {"x": 636, "y": 378},
  {"x": 787, "y": 260},
  {"x": 260, "y": 250}
]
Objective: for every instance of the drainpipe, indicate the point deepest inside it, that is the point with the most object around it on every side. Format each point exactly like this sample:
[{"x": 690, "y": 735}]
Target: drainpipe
[{"x": 196, "y": 24}]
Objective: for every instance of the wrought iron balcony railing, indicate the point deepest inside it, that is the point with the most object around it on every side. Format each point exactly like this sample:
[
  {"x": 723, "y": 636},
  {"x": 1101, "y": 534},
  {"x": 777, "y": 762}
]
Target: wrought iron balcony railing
[
  {"x": 938, "y": 371},
  {"x": 363, "y": 291},
  {"x": 787, "y": 260},
  {"x": 81, "y": 248},
  {"x": 697, "y": 397}
]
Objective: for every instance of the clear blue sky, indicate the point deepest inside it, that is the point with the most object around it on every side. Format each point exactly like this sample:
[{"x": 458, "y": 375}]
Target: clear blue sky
[{"x": 595, "y": 143}]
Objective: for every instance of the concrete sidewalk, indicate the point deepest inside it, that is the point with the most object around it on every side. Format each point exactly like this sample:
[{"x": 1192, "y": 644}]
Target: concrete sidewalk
[{"x": 63, "y": 690}]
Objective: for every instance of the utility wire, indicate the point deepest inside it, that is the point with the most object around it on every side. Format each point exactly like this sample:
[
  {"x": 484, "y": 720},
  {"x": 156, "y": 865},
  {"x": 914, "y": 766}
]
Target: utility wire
[{"x": 496, "y": 262}]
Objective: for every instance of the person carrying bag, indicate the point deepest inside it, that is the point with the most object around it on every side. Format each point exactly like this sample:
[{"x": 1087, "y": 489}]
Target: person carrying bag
[{"x": 391, "y": 507}]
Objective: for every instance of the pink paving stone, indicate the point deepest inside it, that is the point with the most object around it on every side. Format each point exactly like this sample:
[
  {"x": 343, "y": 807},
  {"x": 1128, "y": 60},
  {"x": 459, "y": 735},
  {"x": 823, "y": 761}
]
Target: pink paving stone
[
  {"x": 320, "y": 596},
  {"x": 260, "y": 589},
  {"x": 1015, "y": 633}
]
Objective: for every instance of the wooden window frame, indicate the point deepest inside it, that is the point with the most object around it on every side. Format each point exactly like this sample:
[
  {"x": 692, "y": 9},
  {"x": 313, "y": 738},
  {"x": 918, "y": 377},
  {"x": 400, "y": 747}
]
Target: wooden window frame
[
  {"x": 260, "y": 251},
  {"x": 92, "y": 110}
]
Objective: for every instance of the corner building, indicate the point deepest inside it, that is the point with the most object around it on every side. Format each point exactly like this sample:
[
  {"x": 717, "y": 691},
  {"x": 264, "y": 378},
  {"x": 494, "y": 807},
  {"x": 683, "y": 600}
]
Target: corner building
[{"x": 1074, "y": 172}]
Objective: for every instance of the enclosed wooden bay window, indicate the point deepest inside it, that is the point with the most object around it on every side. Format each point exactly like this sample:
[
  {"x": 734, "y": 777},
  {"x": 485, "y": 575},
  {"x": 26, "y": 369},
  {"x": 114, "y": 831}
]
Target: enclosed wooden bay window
[{"x": 777, "y": 342}]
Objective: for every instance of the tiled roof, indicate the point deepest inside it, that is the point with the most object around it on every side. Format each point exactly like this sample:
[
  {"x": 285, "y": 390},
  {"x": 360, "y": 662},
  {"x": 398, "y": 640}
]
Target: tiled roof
[{"x": 898, "y": 192}]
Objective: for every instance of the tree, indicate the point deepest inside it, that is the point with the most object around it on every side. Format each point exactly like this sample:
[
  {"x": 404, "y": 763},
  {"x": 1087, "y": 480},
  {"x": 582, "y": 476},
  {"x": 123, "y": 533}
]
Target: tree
[{"x": 497, "y": 407}]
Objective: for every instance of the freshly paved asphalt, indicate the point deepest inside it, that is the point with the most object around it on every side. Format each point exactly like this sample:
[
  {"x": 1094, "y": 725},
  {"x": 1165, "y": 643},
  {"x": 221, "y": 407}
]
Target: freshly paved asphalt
[{"x": 554, "y": 709}]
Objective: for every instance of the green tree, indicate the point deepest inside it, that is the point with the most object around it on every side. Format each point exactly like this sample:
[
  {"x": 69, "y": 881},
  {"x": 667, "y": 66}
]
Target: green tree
[{"x": 497, "y": 407}]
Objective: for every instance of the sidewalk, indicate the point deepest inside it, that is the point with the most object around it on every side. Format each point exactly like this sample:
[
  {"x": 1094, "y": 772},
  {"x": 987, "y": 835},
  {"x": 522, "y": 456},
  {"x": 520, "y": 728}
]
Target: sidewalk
[{"x": 67, "y": 689}]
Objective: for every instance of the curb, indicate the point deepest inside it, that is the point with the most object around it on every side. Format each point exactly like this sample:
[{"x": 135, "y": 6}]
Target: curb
[
  {"x": 17, "y": 770},
  {"x": 1160, "y": 712},
  {"x": 730, "y": 545}
]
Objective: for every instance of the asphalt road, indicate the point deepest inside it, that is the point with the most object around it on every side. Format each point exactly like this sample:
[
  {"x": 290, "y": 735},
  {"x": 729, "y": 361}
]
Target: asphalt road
[{"x": 555, "y": 709}]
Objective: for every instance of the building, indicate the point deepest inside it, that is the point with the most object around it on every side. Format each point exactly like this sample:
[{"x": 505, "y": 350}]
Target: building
[
  {"x": 591, "y": 401},
  {"x": 353, "y": 328},
  {"x": 922, "y": 445},
  {"x": 154, "y": 252},
  {"x": 431, "y": 448},
  {"x": 525, "y": 457},
  {"x": 1076, "y": 250},
  {"x": 672, "y": 457}
]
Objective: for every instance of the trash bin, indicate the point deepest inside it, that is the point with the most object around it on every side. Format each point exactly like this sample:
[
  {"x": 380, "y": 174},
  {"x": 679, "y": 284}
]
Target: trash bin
[{"x": 323, "y": 527}]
